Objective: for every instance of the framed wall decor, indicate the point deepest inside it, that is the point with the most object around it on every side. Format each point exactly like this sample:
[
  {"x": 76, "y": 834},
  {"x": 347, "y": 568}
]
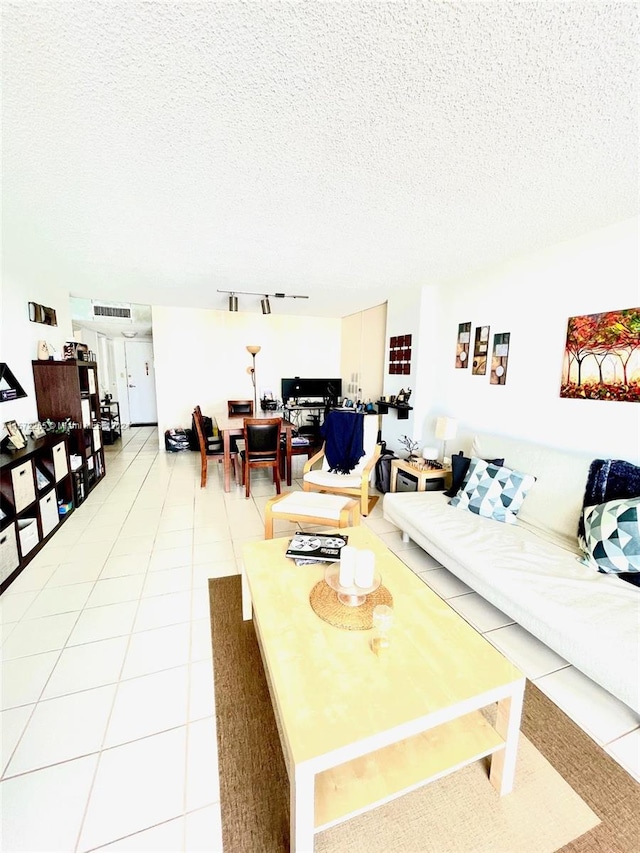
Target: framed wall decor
[
  {"x": 480, "y": 351},
  {"x": 42, "y": 314},
  {"x": 10, "y": 388},
  {"x": 602, "y": 357},
  {"x": 500, "y": 358},
  {"x": 400, "y": 354},
  {"x": 462, "y": 345}
]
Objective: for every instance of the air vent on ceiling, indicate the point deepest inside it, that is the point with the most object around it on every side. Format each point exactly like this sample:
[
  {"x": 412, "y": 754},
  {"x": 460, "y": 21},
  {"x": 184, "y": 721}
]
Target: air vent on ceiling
[{"x": 118, "y": 312}]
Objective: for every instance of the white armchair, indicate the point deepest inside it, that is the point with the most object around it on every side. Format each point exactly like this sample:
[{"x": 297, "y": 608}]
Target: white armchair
[{"x": 317, "y": 476}]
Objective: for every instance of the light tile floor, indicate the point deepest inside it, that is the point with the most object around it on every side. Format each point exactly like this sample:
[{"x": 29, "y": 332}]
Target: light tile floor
[{"x": 108, "y": 726}]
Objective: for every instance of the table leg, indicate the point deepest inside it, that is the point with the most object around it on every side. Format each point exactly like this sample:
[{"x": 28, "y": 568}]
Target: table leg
[
  {"x": 393, "y": 479},
  {"x": 288, "y": 456},
  {"x": 503, "y": 762},
  {"x": 247, "y": 608},
  {"x": 226, "y": 445},
  {"x": 302, "y": 804}
]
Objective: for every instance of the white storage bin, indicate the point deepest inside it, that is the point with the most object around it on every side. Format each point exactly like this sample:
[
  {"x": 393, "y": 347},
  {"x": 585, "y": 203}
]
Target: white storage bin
[
  {"x": 24, "y": 490},
  {"x": 28, "y": 533},
  {"x": 49, "y": 517},
  {"x": 8, "y": 552},
  {"x": 85, "y": 408},
  {"x": 60, "y": 465}
]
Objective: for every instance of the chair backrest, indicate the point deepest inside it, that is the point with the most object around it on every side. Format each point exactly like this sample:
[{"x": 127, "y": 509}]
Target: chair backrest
[
  {"x": 207, "y": 428},
  {"x": 262, "y": 438},
  {"x": 242, "y": 408},
  {"x": 197, "y": 418},
  {"x": 369, "y": 441}
]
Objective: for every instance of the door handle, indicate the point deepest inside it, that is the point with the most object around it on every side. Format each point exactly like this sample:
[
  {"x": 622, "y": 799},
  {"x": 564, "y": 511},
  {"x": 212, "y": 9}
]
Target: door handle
[{"x": 132, "y": 386}]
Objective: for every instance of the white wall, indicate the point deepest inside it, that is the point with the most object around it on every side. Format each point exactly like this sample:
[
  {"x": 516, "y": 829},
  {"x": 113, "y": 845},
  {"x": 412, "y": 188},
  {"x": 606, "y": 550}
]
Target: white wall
[
  {"x": 532, "y": 298},
  {"x": 201, "y": 357},
  {"x": 416, "y": 314},
  {"x": 19, "y": 338}
]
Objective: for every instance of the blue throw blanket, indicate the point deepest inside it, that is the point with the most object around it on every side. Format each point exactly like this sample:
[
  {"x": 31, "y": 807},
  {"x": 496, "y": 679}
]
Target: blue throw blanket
[
  {"x": 609, "y": 480},
  {"x": 343, "y": 433}
]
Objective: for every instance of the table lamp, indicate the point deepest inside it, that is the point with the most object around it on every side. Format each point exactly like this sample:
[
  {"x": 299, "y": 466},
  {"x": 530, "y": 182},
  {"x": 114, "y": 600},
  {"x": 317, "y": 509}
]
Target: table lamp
[{"x": 446, "y": 428}]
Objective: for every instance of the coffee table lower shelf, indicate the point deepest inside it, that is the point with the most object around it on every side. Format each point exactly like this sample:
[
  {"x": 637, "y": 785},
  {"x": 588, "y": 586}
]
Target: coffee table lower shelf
[{"x": 364, "y": 783}]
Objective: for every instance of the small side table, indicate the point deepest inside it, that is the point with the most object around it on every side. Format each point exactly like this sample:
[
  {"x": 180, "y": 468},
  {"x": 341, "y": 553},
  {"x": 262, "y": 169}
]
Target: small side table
[{"x": 421, "y": 474}]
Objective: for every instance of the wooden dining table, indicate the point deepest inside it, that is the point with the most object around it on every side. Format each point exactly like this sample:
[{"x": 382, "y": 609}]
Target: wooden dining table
[{"x": 230, "y": 427}]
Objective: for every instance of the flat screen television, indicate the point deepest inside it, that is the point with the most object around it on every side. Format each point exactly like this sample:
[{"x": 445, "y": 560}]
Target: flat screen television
[{"x": 326, "y": 390}]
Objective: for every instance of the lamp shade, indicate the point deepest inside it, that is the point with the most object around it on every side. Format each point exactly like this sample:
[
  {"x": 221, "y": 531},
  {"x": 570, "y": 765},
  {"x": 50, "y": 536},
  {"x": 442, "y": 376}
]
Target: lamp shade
[
  {"x": 253, "y": 349},
  {"x": 446, "y": 428}
]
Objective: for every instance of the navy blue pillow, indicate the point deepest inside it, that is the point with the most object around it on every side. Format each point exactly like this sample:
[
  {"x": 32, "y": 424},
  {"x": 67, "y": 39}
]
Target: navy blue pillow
[{"x": 459, "y": 467}]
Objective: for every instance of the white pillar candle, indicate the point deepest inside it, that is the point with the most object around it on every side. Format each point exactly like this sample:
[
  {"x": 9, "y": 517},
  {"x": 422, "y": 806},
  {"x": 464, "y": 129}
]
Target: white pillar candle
[
  {"x": 347, "y": 565},
  {"x": 365, "y": 569}
]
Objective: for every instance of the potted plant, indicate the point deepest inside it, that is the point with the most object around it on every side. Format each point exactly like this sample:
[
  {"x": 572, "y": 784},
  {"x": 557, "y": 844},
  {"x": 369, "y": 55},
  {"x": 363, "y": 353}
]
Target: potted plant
[{"x": 410, "y": 446}]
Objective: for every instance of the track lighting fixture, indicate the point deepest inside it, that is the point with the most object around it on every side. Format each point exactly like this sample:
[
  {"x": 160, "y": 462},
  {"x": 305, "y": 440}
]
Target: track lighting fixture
[{"x": 264, "y": 301}]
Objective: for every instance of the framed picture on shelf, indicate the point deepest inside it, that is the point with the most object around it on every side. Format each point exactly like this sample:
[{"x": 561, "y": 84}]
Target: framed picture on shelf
[
  {"x": 37, "y": 430},
  {"x": 16, "y": 438}
]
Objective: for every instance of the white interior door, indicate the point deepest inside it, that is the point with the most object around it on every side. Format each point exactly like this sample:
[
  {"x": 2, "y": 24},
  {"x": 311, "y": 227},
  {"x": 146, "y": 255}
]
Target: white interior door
[{"x": 141, "y": 382}]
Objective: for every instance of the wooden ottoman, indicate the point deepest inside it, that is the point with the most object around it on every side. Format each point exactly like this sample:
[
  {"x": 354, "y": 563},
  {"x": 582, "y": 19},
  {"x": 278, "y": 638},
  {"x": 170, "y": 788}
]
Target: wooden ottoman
[{"x": 311, "y": 508}]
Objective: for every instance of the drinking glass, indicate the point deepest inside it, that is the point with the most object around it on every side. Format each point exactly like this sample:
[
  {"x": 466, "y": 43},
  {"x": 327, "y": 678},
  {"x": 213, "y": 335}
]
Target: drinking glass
[{"x": 382, "y": 623}]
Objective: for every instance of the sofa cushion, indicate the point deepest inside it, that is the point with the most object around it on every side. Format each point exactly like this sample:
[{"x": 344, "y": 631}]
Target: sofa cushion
[
  {"x": 612, "y": 535},
  {"x": 553, "y": 507},
  {"x": 493, "y": 491},
  {"x": 608, "y": 480},
  {"x": 459, "y": 467}
]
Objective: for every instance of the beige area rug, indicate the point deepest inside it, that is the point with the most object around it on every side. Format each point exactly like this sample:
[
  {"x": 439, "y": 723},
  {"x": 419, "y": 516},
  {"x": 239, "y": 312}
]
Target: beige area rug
[{"x": 595, "y": 807}]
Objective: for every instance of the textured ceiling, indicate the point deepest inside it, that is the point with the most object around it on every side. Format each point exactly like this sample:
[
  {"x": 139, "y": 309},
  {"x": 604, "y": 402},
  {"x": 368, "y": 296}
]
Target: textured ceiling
[{"x": 160, "y": 151}]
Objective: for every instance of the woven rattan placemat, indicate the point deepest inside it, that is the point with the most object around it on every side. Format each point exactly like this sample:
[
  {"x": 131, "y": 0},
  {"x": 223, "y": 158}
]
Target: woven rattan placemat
[{"x": 324, "y": 602}]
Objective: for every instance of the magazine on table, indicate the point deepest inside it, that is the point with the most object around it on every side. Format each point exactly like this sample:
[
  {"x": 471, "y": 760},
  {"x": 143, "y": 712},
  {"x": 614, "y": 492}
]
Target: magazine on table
[{"x": 308, "y": 548}]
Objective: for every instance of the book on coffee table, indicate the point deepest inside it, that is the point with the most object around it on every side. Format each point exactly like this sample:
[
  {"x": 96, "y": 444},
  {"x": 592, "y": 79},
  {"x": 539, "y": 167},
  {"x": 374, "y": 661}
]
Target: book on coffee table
[{"x": 315, "y": 547}]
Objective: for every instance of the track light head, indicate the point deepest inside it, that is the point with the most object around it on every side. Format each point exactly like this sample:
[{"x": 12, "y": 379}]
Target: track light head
[
  {"x": 233, "y": 302},
  {"x": 266, "y": 305}
]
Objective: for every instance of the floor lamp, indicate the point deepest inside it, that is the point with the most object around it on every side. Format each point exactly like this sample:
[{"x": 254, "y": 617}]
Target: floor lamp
[{"x": 254, "y": 350}]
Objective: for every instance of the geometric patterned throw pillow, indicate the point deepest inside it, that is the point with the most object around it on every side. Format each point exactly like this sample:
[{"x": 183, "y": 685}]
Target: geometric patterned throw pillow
[
  {"x": 493, "y": 491},
  {"x": 612, "y": 534}
]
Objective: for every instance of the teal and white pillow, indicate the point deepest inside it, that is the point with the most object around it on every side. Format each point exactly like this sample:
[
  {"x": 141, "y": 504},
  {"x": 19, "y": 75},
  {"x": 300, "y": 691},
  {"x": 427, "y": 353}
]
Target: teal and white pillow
[
  {"x": 612, "y": 535},
  {"x": 493, "y": 491}
]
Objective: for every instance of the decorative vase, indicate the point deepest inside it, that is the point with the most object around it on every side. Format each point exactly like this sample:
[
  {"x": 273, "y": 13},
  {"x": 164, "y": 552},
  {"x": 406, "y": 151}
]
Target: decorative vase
[{"x": 43, "y": 351}]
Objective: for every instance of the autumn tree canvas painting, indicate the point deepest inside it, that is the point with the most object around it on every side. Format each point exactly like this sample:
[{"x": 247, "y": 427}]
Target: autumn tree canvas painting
[{"x": 602, "y": 356}]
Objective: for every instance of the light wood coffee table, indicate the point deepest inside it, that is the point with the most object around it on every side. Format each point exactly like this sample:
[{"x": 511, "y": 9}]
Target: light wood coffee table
[{"x": 358, "y": 730}]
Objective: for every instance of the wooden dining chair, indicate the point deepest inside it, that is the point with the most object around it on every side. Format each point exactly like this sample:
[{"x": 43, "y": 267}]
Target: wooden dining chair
[
  {"x": 296, "y": 449},
  {"x": 262, "y": 448},
  {"x": 240, "y": 408},
  {"x": 211, "y": 449}
]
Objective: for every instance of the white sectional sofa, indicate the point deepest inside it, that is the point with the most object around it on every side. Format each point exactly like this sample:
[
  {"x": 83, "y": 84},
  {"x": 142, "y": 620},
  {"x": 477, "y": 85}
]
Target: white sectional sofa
[{"x": 530, "y": 570}]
